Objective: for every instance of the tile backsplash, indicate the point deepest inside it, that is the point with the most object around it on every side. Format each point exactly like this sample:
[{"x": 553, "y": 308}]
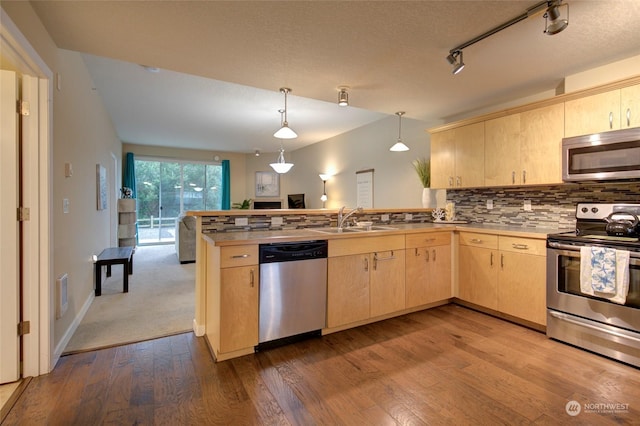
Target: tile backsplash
[{"x": 551, "y": 206}]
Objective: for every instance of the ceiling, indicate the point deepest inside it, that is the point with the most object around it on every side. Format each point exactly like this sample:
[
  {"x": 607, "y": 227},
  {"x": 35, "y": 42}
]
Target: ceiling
[{"x": 222, "y": 62}]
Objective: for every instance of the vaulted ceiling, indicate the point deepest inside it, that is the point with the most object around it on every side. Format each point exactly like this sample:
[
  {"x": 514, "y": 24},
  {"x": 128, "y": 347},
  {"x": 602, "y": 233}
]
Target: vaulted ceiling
[{"x": 222, "y": 62}]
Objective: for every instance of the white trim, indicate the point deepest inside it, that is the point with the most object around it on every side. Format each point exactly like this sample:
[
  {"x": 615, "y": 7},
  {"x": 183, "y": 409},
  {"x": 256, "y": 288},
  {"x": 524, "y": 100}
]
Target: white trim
[
  {"x": 198, "y": 329},
  {"x": 38, "y": 302},
  {"x": 73, "y": 327}
]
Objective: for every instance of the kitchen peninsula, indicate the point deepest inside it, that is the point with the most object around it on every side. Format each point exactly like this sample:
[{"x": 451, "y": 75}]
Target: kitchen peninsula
[{"x": 408, "y": 264}]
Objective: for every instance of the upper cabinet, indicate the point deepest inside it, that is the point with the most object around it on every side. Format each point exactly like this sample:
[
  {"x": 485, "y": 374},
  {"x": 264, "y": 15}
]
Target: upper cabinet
[
  {"x": 457, "y": 157},
  {"x": 630, "y": 106},
  {"x": 612, "y": 110},
  {"x": 592, "y": 114},
  {"x": 541, "y": 133},
  {"x": 502, "y": 151}
]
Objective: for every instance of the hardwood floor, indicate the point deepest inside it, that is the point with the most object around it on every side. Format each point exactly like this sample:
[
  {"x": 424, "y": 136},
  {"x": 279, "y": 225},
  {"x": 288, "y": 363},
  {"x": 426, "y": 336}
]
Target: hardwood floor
[{"x": 448, "y": 365}]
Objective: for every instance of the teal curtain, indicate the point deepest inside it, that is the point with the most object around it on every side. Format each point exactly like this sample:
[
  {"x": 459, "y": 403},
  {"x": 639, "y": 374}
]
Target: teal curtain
[
  {"x": 226, "y": 185},
  {"x": 130, "y": 173},
  {"x": 130, "y": 179}
]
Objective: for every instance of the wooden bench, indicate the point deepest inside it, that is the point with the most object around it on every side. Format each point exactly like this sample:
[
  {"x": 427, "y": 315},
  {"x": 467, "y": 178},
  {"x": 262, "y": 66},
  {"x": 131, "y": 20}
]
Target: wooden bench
[{"x": 114, "y": 256}]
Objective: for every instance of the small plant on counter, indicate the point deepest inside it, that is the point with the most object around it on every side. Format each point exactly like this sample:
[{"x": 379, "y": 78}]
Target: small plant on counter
[
  {"x": 422, "y": 166},
  {"x": 244, "y": 205}
]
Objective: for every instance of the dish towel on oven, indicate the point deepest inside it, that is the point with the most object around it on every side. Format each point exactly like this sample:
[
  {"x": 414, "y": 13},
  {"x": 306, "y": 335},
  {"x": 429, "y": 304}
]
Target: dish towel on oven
[{"x": 604, "y": 272}]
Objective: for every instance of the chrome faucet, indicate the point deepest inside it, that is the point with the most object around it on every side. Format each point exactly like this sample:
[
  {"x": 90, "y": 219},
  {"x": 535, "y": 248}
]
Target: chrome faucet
[{"x": 342, "y": 217}]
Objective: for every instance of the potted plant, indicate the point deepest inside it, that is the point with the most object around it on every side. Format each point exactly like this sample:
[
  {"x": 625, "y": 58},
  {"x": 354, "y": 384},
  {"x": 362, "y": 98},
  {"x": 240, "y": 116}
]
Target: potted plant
[{"x": 422, "y": 167}]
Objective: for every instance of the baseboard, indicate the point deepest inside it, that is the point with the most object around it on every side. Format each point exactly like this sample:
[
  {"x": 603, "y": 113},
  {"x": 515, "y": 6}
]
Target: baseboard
[
  {"x": 72, "y": 328},
  {"x": 198, "y": 329}
]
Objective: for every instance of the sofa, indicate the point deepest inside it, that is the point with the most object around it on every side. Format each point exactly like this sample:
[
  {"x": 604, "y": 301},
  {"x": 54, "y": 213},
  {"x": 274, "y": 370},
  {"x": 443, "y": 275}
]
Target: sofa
[{"x": 186, "y": 238}]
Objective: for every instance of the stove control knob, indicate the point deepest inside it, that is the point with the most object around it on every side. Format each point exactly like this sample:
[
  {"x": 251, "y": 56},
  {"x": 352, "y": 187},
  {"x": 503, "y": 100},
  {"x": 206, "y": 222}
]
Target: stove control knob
[
  {"x": 594, "y": 209},
  {"x": 584, "y": 210}
]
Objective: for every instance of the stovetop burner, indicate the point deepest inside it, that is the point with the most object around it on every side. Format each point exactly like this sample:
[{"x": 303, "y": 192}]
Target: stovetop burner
[{"x": 591, "y": 226}]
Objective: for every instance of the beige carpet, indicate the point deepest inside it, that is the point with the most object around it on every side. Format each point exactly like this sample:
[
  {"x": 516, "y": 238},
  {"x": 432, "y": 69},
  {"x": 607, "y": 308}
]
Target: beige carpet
[{"x": 160, "y": 302}]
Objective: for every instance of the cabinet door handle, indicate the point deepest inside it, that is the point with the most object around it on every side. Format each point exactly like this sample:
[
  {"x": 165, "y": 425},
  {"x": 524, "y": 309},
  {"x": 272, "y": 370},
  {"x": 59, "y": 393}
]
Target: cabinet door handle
[
  {"x": 434, "y": 255},
  {"x": 520, "y": 246},
  {"x": 501, "y": 261},
  {"x": 366, "y": 264},
  {"x": 450, "y": 181},
  {"x": 524, "y": 176},
  {"x": 513, "y": 177},
  {"x": 417, "y": 253},
  {"x": 240, "y": 256},
  {"x": 628, "y": 117},
  {"x": 491, "y": 259},
  {"x": 611, "y": 120},
  {"x": 427, "y": 253},
  {"x": 476, "y": 240},
  {"x": 458, "y": 181},
  {"x": 251, "y": 278}
]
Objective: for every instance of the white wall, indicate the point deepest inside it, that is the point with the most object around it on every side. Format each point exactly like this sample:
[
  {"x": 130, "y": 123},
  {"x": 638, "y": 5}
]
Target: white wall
[{"x": 396, "y": 184}]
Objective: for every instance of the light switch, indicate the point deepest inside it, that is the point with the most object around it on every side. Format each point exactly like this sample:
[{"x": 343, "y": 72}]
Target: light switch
[
  {"x": 384, "y": 218},
  {"x": 68, "y": 169},
  {"x": 408, "y": 217},
  {"x": 65, "y": 205}
]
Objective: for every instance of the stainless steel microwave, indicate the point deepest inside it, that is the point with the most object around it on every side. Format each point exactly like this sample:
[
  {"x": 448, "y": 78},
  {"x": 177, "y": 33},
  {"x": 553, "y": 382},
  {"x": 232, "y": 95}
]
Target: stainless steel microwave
[{"x": 611, "y": 155}]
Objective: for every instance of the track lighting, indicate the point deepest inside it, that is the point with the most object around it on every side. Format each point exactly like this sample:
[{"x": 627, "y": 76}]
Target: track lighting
[
  {"x": 285, "y": 132},
  {"x": 553, "y": 24},
  {"x": 458, "y": 64},
  {"x": 343, "y": 97},
  {"x": 552, "y": 14},
  {"x": 399, "y": 146},
  {"x": 257, "y": 153}
]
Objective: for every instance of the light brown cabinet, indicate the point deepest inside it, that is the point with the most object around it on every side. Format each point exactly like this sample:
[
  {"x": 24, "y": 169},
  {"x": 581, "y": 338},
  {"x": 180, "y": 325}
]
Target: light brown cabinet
[
  {"x": 505, "y": 274},
  {"x": 457, "y": 157},
  {"x": 592, "y": 114},
  {"x": 630, "y": 106},
  {"x": 365, "y": 278},
  {"x": 524, "y": 148},
  {"x": 428, "y": 268},
  {"x": 232, "y": 299},
  {"x": 238, "y": 308}
]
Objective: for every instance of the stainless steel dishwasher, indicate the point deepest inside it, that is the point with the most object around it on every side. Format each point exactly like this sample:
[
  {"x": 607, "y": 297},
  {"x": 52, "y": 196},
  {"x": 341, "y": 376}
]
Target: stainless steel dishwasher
[{"x": 293, "y": 289}]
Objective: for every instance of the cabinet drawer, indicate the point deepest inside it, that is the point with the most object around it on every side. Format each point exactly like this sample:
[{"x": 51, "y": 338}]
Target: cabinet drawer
[
  {"x": 523, "y": 245},
  {"x": 428, "y": 239},
  {"x": 479, "y": 240},
  {"x": 348, "y": 246},
  {"x": 232, "y": 256}
]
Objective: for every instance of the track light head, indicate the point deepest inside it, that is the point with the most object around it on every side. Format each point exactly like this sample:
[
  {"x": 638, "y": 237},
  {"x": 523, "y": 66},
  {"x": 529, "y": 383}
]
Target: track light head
[
  {"x": 343, "y": 97},
  {"x": 458, "y": 64},
  {"x": 553, "y": 23}
]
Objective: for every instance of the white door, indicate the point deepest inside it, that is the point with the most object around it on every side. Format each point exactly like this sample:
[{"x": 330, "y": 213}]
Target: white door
[{"x": 9, "y": 230}]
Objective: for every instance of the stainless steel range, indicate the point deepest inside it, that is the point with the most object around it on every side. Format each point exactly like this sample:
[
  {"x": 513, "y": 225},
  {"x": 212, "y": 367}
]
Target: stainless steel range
[{"x": 606, "y": 322}]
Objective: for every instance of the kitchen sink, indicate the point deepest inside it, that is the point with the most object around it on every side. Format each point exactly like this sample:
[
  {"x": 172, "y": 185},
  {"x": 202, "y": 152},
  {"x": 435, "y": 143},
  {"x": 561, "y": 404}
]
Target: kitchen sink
[{"x": 352, "y": 229}]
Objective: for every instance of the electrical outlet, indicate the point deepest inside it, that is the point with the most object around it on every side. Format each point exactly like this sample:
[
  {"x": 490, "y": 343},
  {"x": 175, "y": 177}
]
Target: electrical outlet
[
  {"x": 527, "y": 205},
  {"x": 384, "y": 218},
  {"x": 276, "y": 221},
  {"x": 242, "y": 221},
  {"x": 408, "y": 217},
  {"x": 489, "y": 204}
]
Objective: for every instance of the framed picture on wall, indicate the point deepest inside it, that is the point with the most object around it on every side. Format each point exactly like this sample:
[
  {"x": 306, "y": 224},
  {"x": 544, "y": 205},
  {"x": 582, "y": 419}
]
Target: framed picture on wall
[
  {"x": 267, "y": 184},
  {"x": 101, "y": 186}
]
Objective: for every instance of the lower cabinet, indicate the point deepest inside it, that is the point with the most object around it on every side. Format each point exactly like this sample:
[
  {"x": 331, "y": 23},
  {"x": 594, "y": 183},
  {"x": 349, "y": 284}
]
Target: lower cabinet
[
  {"x": 239, "y": 308},
  {"x": 365, "y": 278},
  {"x": 505, "y": 274},
  {"x": 428, "y": 268}
]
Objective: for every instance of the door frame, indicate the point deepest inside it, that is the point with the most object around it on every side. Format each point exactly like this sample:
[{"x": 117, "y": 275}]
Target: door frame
[{"x": 37, "y": 308}]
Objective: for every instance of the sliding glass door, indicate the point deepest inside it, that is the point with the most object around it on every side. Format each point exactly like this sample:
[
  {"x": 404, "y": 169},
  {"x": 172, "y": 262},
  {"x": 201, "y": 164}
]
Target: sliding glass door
[{"x": 166, "y": 188}]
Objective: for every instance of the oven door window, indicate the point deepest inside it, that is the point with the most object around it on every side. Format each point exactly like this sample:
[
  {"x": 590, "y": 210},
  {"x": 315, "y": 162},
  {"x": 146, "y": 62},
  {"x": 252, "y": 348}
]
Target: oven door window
[{"x": 569, "y": 279}]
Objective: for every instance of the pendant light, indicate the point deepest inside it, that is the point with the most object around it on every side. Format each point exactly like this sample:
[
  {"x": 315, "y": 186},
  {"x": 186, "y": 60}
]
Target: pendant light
[
  {"x": 399, "y": 146},
  {"x": 281, "y": 166},
  {"x": 285, "y": 132}
]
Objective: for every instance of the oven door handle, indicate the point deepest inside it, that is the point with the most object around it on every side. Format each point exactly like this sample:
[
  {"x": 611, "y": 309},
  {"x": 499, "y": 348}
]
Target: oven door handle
[
  {"x": 574, "y": 251},
  {"x": 567, "y": 318}
]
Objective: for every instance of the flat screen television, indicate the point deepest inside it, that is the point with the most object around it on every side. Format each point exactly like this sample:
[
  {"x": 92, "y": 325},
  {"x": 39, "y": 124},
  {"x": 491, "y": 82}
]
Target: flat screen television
[
  {"x": 267, "y": 204},
  {"x": 296, "y": 201}
]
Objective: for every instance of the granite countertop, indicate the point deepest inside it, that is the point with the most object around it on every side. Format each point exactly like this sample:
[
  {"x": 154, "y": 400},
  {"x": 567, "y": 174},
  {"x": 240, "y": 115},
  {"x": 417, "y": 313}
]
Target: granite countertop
[{"x": 269, "y": 236}]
